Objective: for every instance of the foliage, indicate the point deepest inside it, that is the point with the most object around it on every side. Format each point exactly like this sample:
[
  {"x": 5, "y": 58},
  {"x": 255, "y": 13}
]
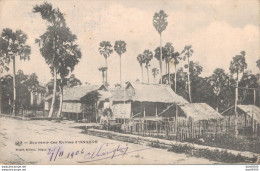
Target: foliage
[
  {"x": 238, "y": 64},
  {"x": 24, "y": 83},
  {"x": 13, "y": 44},
  {"x": 258, "y": 63},
  {"x": 148, "y": 56},
  {"x": 157, "y": 53},
  {"x": 160, "y": 21},
  {"x": 120, "y": 47},
  {"x": 155, "y": 72},
  {"x": 105, "y": 49},
  {"x": 141, "y": 59}
]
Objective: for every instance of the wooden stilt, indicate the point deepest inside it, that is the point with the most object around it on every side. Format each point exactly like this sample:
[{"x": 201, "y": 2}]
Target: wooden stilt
[{"x": 176, "y": 122}]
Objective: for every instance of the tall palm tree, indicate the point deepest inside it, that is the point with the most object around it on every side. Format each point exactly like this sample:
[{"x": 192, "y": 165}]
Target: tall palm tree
[
  {"x": 105, "y": 49},
  {"x": 13, "y": 44},
  {"x": 120, "y": 48},
  {"x": 169, "y": 50},
  {"x": 49, "y": 42},
  {"x": 140, "y": 59},
  {"x": 237, "y": 66},
  {"x": 155, "y": 72},
  {"x": 176, "y": 57},
  {"x": 148, "y": 56},
  {"x": 160, "y": 23},
  {"x": 103, "y": 70},
  {"x": 188, "y": 51}
]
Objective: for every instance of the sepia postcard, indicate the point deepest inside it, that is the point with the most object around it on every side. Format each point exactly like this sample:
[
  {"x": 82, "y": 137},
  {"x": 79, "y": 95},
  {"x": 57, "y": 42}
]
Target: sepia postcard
[{"x": 86, "y": 82}]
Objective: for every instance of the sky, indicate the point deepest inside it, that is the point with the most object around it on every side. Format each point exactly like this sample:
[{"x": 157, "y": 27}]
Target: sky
[{"x": 217, "y": 30}]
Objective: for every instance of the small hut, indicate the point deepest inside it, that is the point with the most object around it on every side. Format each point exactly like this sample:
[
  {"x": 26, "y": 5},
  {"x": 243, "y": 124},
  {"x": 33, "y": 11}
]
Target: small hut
[
  {"x": 198, "y": 119},
  {"x": 81, "y": 102},
  {"x": 248, "y": 119}
]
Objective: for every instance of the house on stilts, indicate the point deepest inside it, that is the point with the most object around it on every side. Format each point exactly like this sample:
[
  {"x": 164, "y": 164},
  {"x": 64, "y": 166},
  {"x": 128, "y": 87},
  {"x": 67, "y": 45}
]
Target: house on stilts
[{"x": 247, "y": 119}]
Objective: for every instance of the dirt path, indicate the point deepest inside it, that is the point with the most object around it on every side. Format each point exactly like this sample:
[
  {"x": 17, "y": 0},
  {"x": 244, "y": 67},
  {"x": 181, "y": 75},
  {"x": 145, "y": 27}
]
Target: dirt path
[{"x": 47, "y": 142}]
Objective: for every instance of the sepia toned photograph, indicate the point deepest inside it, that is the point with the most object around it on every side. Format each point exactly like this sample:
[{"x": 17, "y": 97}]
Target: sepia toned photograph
[{"x": 130, "y": 82}]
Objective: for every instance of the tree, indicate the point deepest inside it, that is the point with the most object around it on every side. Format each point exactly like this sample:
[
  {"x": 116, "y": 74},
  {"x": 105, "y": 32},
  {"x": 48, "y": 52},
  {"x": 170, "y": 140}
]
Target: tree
[
  {"x": 148, "y": 56},
  {"x": 103, "y": 70},
  {"x": 218, "y": 81},
  {"x": 51, "y": 42},
  {"x": 69, "y": 56},
  {"x": 155, "y": 72},
  {"x": 140, "y": 59},
  {"x": 105, "y": 49},
  {"x": 73, "y": 81},
  {"x": 176, "y": 57},
  {"x": 13, "y": 44},
  {"x": 120, "y": 48},
  {"x": 160, "y": 23},
  {"x": 169, "y": 50},
  {"x": 237, "y": 66},
  {"x": 157, "y": 55},
  {"x": 188, "y": 51},
  {"x": 258, "y": 63}
]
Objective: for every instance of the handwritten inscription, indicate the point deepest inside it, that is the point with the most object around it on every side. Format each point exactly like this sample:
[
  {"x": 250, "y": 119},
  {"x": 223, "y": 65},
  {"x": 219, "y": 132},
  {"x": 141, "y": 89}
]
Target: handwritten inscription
[{"x": 102, "y": 152}]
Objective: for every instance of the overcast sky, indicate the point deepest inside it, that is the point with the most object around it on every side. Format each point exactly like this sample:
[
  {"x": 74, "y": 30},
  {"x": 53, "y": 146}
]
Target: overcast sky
[{"x": 216, "y": 29}]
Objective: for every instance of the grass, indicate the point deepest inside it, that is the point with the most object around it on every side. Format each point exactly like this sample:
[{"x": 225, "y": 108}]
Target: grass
[{"x": 230, "y": 142}]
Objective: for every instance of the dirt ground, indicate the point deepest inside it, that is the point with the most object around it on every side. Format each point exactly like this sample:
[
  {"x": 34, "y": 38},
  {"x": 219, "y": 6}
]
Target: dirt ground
[{"x": 49, "y": 142}]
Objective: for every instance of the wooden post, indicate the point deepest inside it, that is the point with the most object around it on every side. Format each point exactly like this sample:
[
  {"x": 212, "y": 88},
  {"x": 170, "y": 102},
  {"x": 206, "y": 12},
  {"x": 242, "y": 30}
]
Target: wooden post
[
  {"x": 253, "y": 124},
  {"x": 156, "y": 114},
  {"x": 254, "y": 97},
  {"x": 176, "y": 122},
  {"x": 144, "y": 121}
]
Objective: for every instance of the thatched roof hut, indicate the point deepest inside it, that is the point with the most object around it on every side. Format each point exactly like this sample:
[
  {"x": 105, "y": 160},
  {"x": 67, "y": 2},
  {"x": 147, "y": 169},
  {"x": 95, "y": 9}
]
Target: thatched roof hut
[
  {"x": 252, "y": 111},
  {"x": 200, "y": 111},
  {"x": 142, "y": 92}
]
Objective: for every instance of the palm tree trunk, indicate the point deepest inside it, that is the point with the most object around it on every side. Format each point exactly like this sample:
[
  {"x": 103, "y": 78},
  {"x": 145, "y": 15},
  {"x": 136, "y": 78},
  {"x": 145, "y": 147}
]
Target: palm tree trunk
[
  {"x": 236, "y": 99},
  {"x": 175, "y": 78},
  {"x": 142, "y": 73},
  {"x": 120, "y": 72},
  {"x": 61, "y": 98},
  {"x": 189, "y": 80},
  {"x": 14, "y": 87},
  {"x": 54, "y": 92},
  {"x": 106, "y": 69},
  {"x": 147, "y": 74},
  {"x": 169, "y": 77},
  {"x": 103, "y": 77},
  {"x": 161, "y": 57}
]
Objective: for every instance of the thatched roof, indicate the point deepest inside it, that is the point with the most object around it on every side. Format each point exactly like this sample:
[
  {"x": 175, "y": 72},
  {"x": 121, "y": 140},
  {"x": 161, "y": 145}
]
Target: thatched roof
[
  {"x": 200, "y": 111},
  {"x": 77, "y": 92},
  {"x": 120, "y": 94},
  {"x": 154, "y": 93},
  {"x": 251, "y": 110}
]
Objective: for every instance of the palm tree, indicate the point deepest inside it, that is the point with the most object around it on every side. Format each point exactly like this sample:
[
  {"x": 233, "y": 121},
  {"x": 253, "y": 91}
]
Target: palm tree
[
  {"x": 13, "y": 44},
  {"x": 169, "y": 50},
  {"x": 105, "y": 49},
  {"x": 188, "y": 51},
  {"x": 237, "y": 65},
  {"x": 68, "y": 58},
  {"x": 140, "y": 59},
  {"x": 49, "y": 42},
  {"x": 148, "y": 56},
  {"x": 103, "y": 70},
  {"x": 160, "y": 23},
  {"x": 155, "y": 72},
  {"x": 176, "y": 57},
  {"x": 120, "y": 48}
]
